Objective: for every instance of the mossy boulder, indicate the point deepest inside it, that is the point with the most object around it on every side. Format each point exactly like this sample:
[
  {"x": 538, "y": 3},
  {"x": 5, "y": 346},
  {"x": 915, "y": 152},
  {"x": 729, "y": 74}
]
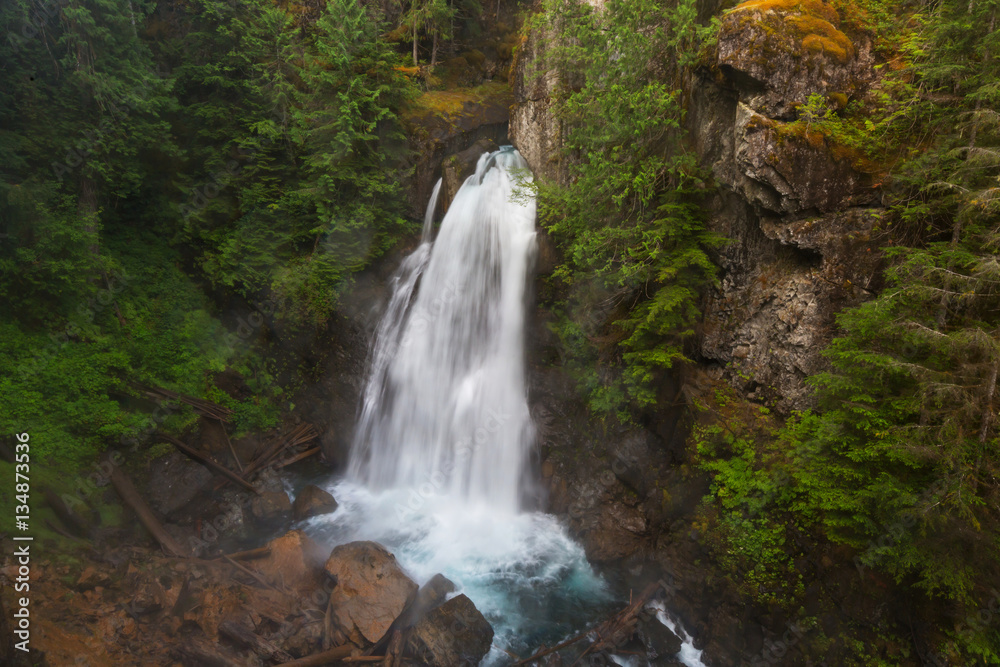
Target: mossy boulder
[
  {"x": 787, "y": 169},
  {"x": 779, "y": 52},
  {"x": 440, "y": 123}
]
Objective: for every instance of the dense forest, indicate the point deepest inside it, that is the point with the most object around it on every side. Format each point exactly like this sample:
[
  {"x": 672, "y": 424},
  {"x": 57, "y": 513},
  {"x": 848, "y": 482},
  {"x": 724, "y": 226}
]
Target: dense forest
[{"x": 188, "y": 188}]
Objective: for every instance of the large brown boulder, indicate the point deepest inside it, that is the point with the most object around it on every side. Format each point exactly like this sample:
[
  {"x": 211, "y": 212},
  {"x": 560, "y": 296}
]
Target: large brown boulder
[
  {"x": 783, "y": 51},
  {"x": 371, "y": 591},
  {"x": 454, "y": 634},
  {"x": 313, "y": 501},
  {"x": 294, "y": 561},
  {"x": 270, "y": 506}
]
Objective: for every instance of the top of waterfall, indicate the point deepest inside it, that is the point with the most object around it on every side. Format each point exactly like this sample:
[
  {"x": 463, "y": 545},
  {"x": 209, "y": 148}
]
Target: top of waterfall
[{"x": 489, "y": 160}]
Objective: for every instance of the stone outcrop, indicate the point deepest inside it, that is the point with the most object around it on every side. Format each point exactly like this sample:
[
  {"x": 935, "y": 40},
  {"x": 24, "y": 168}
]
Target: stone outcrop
[
  {"x": 294, "y": 560},
  {"x": 782, "y": 51},
  {"x": 313, "y": 501},
  {"x": 799, "y": 208},
  {"x": 458, "y": 167},
  {"x": 455, "y": 633},
  {"x": 270, "y": 506},
  {"x": 371, "y": 591},
  {"x": 441, "y": 123},
  {"x": 534, "y": 128}
]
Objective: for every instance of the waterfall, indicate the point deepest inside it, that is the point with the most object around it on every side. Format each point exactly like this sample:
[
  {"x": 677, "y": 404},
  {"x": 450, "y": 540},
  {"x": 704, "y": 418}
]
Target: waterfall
[
  {"x": 442, "y": 445},
  {"x": 428, "y": 231},
  {"x": 445, "y": 403}
]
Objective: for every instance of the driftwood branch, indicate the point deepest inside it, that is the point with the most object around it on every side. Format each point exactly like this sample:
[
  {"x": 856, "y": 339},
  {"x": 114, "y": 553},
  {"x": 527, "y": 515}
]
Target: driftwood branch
[
  {"x": 126, "y": 490},
  {"x": 200, "y": 405},
  {"x": 299, "y": 435},
  {"x": 246, "y": 638},
  {"x": 341, "y": 653},
  {"x": 206, "y": 460},
  {"x": 298, "y": 457},
  {"x": 250, "y": 554}
]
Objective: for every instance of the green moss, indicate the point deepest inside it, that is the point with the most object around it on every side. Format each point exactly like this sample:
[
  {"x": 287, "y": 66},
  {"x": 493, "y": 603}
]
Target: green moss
[
  {"x": 820, "y": 36},
  {"x": 810, "y": 22},
  {"x": 445, "y": 103},
  {"x": 813, "y": 7}
]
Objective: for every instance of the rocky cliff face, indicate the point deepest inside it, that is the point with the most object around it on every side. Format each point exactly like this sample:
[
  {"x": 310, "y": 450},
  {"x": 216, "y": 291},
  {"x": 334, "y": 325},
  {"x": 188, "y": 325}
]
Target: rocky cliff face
[{"x": 798, "y": 209}]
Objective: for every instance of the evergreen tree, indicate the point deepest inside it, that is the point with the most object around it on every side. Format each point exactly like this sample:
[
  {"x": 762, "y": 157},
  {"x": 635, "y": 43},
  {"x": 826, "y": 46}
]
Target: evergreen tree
[
  {"x": 628, "y": 221},
  {"x": 346, "y": 124},
  {"x": 906, "y": 435}
]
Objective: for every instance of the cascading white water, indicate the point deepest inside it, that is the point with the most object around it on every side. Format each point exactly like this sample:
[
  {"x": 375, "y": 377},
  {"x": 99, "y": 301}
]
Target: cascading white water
[
  {"x": 445, "y": 404},
  {"x": 444, "y": 434}
]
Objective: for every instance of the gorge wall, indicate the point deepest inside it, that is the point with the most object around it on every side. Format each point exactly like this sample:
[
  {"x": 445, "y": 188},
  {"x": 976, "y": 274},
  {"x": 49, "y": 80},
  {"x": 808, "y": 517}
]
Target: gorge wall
[{"x": 800, "y": 212}]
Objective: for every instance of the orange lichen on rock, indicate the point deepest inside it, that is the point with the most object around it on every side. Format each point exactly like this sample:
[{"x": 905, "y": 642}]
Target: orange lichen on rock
[
  {"x": 813, "y": 22},
  {"x": 814, "y": 7},
  {"x": 821, "y": 37}
]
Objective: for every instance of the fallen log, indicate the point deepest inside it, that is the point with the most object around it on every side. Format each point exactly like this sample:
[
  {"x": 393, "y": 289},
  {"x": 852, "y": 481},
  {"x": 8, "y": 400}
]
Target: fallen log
[
  {"x": 75, "y": 523},
  {"x": 206, "y": 460},
  {"x": 609, "y": 634},
  {"x": 341, "y": 653},
  {"x": 298, "y": 457},
  {"x": 250, "y": 554},
  {"x": 232, "y": 450},
  {"x": 126, "y": 490},
  {"x": 200, "y": 405},
  {"x": 264, "y": 582},
  {"x": 299, "y": 435},
  {"x": 394, "y": 652},
  {"x": 247, "y": 638}
]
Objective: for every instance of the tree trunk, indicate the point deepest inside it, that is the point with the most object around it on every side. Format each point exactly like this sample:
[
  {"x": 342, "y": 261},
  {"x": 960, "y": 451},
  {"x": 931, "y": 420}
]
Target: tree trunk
[
  {"x": 126, "y": 490},
  {"x": 434, "y": 50},
  {"x": 416, "y": 63}
]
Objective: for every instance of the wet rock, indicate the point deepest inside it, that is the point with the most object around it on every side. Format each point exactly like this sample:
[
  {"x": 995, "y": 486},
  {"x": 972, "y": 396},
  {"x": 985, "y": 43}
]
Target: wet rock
[
  {"x": 371, "y": 591},
  {"x": 619, "y": 532},
  {"x": 455, "y": 633},
  {"x": 431, "y": 595},
  {"x": 782, "y": 51},
  {"x": 658, "y": 639},
  {"x": 295, "y": 561},
  {"x": 788, "y": 169},
  {"x": 313, "y": 501},
  {"x": 442, "y": 123},
  {"x": 270, "y": 506},
  {"x": 174, "y": 481},
  {"x": 458, "y": 167}
]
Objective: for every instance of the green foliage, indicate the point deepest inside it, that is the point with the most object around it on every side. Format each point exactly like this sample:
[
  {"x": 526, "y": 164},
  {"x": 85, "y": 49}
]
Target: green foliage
[
  {"x": 899, "y": 460},
  {"x": 348, "y": 128},
  {"x": 749, "y": 501},
  {"x": 627, "y": 221},
  {"x": 144, "y": 152}
]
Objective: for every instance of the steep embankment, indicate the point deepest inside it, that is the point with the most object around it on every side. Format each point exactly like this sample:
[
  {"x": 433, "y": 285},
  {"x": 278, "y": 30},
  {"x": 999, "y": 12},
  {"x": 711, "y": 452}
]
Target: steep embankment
[{"x": 801, "y": 208}]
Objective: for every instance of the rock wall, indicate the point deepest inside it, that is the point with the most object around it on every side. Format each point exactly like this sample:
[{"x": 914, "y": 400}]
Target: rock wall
[
  {"x": 798, "y": 208},
  {"x": 800, "y": 212}
]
